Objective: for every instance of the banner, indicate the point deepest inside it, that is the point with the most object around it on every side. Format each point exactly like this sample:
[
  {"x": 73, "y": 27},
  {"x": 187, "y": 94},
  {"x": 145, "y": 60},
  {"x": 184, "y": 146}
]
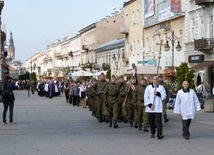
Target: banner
[
  {"x": 175, "y": 5},
  {"x": 149, "y": 8}
]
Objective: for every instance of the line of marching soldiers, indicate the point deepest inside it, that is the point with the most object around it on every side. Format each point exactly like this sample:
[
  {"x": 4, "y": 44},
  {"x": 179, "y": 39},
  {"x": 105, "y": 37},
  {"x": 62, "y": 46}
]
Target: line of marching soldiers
[{"x": 116, "y": 100}]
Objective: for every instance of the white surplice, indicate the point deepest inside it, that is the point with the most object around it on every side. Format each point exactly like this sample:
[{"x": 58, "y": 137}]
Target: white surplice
[
  {"x": 151, "y": 98},
  {"x": 186, "y": 104}
]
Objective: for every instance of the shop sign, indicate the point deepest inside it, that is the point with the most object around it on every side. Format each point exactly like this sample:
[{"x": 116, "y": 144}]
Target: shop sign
[{"x": 196, "y": 58}]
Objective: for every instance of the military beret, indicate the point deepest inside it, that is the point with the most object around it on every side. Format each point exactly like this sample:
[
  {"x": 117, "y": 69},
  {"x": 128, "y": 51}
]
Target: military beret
[
  {"x": 133, "y": 77},
  {"x": 160, "y": 76},
  {"x": 121, "y": 76},
  {"x": 102, "y": 73},
  {"x": 113, "y": 76}
]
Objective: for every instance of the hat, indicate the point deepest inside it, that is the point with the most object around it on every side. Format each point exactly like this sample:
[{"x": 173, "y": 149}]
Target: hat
[
  {"x": 113, "y": 76},
  {"x": 121, "y": 76},
  {"x": 160, "y": 76},
  {"x": 133, "y": 77}
]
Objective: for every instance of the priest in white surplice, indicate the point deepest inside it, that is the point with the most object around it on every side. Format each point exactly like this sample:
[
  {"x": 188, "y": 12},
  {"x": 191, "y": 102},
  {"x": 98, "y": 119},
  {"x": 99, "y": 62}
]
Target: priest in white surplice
[
  {"x": 153, "y": 97},
  {"x": 186, "y": 105}
]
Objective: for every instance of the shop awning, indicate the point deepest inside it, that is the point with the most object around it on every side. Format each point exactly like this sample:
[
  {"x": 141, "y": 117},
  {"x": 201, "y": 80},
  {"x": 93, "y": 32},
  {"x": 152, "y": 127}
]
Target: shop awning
[{"x": 203, "y": 65}]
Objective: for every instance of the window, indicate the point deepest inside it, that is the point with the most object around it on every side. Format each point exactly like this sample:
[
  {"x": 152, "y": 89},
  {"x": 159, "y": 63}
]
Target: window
[
  {"x": 193, "y": 29},
  {"x": 137, "y": 16},
  {"x": 180, "y": 36},
  {"x": 211, "y": 26},
  {"x": 133, "y": 18},
  {"x": 202, "y": 26},
  {"x": 138, "y": 46},
  {"x": 127, "y": 20}
]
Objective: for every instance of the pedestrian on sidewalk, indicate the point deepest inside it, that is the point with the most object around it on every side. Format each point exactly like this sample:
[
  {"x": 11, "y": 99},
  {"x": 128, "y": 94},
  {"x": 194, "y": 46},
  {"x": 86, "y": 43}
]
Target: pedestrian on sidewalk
[
  {"x": 75, "y": 93},
  {"x": 8, "y": 98},
  {"x": 186, "y": 105}
]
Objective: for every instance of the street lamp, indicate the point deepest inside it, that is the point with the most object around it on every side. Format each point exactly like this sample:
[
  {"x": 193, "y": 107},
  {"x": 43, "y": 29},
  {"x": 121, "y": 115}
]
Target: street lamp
[{"x": 172, "y": 38}]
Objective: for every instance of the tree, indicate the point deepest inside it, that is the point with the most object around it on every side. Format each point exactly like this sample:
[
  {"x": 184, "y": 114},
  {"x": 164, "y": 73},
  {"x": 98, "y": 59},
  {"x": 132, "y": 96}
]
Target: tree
[
  {"x": 185, "y": 74},
  {"x": 24, "y": 76},
  {"x": 33, "y": 76}
]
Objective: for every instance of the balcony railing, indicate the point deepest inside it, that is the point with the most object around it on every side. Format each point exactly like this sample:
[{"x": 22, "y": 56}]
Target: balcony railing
[
  {"x": 124, "y": 30},
  {"x": 204, "y": 44},
  {"x": 204, "y": 2}
]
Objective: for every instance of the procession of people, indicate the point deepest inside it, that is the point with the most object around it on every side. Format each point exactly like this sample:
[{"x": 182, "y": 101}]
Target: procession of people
[{"x": 139, "y": 101}]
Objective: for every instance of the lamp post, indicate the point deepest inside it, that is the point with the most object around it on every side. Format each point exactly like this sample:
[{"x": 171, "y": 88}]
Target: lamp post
[{"x": 172, "y": 38}]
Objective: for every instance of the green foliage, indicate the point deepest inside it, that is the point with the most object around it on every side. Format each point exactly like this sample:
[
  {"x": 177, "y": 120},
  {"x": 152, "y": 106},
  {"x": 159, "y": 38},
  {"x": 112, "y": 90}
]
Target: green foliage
[
  {"x": 24, "y": 76},
  {"x": 108, "y": 74},
  {"x": 185, "y": 74},
  {"x": 33, "y": 76}
]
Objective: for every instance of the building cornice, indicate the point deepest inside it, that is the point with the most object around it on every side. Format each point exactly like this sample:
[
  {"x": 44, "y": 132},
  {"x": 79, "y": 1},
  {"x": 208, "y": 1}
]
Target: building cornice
[
  {"x": 90, "y": 27},
  {"x": 128, "y": 3}
]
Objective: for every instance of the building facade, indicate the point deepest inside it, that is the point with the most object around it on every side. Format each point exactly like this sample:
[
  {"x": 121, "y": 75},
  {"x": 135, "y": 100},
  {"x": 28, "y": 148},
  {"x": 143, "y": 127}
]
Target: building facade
[
  {"x": 97, "y": 34},
  {"x": 199, "y": 38},
  {"x": 164, "y": 20},
  {"x": 133, "y": 30}
]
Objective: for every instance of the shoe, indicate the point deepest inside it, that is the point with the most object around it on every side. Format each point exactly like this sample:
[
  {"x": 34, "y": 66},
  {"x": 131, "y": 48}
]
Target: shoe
[
  {"x": 131, "y": 123},
  {"x": 145, "y": 128},
  {"x": 160, "y": 136},
  {"x": 99, "y": 119},
  {"x": 166, "y": 120},
  {"x": 135, "y": 125},
  {"x": 186, "y": 137},
  {"x": 12, "y": 123},
  {"x": 110, "y": 123},
  {"x": 140, "y": 127},
  {"x": 125, "y": 119},
  {"x": 115, "y": 125},
  {"x": 152, "y": 135},
  {"x": 4, "y": 123}
]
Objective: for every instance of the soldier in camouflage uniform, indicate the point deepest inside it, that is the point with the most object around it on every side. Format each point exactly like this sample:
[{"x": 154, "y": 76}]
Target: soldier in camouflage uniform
[
  {"x": 91, "y": 95},
  {"x": 111, "y": 101},
  {"x": 130, "y": 107},
  {"x": 99, "y": 88},
  {"x": 138, "y": 101},
  {"x": 165, "y": 100},
  {"x": 121, "y": 99}
]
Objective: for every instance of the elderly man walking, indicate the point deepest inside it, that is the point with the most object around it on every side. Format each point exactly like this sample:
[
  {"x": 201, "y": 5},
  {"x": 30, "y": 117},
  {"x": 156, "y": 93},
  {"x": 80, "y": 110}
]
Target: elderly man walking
[{"x": 186, "y": 105}]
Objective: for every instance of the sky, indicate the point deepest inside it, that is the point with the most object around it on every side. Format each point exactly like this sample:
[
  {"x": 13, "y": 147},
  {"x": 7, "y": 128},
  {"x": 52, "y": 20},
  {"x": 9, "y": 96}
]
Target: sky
[{"x": 38, "y": 23}]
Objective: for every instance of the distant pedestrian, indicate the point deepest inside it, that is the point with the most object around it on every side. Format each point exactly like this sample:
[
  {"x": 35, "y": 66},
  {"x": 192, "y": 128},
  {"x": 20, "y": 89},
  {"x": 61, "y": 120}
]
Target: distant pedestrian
[
  {"x": 186, "y": 105},
  {"x": 75, "y": 94},
  {"x": 208, "y": 90},
  {"x": 8, "y": 99}
]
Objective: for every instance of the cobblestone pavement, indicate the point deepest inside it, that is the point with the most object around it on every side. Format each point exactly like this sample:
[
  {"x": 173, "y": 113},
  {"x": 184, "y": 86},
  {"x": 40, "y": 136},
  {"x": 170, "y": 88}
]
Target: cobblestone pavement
[{"x": 53, "y": 127}]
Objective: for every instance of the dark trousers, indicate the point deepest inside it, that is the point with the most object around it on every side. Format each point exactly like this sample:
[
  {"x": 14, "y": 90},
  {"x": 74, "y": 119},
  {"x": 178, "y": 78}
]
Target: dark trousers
[
  {"x": 156, "y": 119},
  {"x": 75, "y": 100},
  {"x": 66, "y": 95},
  {"x": 185, "y": 129},
  {"x": 6, "y": 105}
]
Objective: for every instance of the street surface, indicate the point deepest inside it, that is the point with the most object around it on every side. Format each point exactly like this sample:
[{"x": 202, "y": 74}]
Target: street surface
[{"x": 53, "y": 127}]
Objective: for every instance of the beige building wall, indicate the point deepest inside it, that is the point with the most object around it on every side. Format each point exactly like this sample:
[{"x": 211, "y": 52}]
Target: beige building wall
[
  {"x": 134, "y": 31},
  {"x": 163, "y": 30}
]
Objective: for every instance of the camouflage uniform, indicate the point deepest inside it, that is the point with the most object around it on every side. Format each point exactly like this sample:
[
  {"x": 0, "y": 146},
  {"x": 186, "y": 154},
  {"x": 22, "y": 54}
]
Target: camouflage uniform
[
  {"x": 121, "y": 99},
  {"x": 91, "y": 94},
  {"x": 138, "y": 101},
  {"x": 165, "y": 101},
  {"x": 130, "y": 107},
  {"x": 111, "y": 101},
  {"x": 99, "y": 88}
]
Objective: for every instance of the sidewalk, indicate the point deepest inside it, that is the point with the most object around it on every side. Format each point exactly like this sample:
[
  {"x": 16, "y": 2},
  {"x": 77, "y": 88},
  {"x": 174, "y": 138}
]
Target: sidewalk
[{"x": 53, "y": 127}]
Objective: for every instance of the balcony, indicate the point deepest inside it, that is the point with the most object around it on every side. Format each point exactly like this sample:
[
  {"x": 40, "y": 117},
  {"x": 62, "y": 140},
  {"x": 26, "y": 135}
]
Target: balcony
[
  {"x": 204, "y": 2},
  {"x": 85, "y": 47},
  {"x": 204, "y": 45},
  {"x": 124, "y": 30}
]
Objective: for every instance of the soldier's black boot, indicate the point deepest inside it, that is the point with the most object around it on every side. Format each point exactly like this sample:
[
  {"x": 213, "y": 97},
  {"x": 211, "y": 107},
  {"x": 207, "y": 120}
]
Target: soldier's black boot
[
  {"x": 125, "y": 119},
  {"x": 145, "y": 128},
  {"x": 135, "y": 125},
  {"x": 140, "y": 127},
  {"x": 115, "y": 124},
  {"x": 110, "y": 123},
  {"x": 99, "y": 119},
  {"x": 131, "y": 123}
]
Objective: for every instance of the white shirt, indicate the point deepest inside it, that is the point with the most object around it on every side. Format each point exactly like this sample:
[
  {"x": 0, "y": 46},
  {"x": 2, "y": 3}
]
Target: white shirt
[
  {"x": 149, "y": 97},
  {"x": 46, "y": 87},
  {"x": 187, "y": 104}
]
